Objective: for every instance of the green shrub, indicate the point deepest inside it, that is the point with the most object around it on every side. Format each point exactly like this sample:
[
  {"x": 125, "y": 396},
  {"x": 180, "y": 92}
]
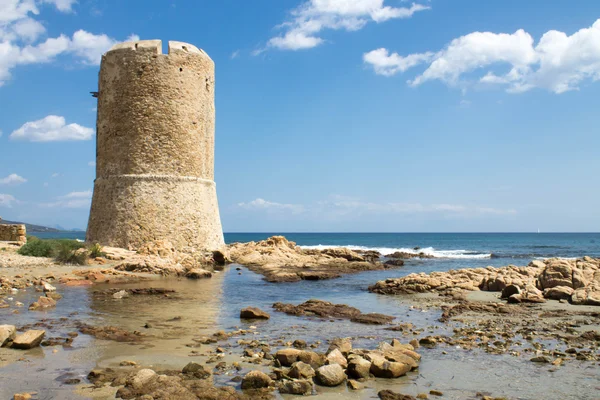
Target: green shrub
[
  {"x": 96, "y": 251},
  {"x": 66, "y": 254},
  {"x": 36, "y": 248},
  {"x": 48, "y": 247}
]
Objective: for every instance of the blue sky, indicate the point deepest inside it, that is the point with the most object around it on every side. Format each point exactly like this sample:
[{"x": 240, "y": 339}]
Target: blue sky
[{"x": 332, "y": 115}]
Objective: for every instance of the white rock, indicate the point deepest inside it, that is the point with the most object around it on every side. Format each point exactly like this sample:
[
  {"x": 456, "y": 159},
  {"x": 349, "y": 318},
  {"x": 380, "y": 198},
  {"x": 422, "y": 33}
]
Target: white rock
[{"x": 120, "y": 294}]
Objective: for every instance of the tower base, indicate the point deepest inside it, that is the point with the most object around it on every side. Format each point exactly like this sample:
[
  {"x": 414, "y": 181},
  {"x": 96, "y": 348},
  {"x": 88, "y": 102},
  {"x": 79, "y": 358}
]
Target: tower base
[{"x": 129, "y": 211}]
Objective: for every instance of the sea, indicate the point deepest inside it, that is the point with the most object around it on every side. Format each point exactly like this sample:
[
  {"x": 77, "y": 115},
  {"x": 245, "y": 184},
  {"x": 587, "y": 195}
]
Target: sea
[{"x": 450, "y": 250}]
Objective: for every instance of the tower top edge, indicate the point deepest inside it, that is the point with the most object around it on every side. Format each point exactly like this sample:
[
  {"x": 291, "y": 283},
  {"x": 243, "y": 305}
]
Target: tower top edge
[{"x": 155, "y": 47}]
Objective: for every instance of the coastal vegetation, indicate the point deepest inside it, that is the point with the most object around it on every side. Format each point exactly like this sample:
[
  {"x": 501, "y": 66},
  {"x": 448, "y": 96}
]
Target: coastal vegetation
[{"x": 64, "y": 251}]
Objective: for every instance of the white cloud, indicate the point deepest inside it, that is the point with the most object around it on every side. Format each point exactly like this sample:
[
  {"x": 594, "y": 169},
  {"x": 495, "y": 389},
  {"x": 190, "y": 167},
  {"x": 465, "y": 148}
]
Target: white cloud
[
  {"x": 558, "y": 62},
  {"x": 6, "y": 200},
  {"x": 261, "y": 204},
  {"x": 390, "y": 64},
  {"x": 51, "y": 129},
  {"x": 12, "y": 179},
  {"x": 62, "y": 5},
  {"x": 72, "y": 200},
  {"x": 92, "y": 163},
  {"x": 20, "y": 34},
  {"x": 307, "y": 21},
  {"x": 55, "y": 175},
  {"x": 234, "y": 55},
  {"x": 342, "y": 205}
]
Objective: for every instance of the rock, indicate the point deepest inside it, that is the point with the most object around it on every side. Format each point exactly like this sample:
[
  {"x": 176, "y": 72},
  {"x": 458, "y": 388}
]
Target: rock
[
  {"x": 354, "y": 385},
  {"x": 254, "y": 313},
  {"x": 43, "y": 303},
  {"x": 358, "y": 368},
  {"x": 556, "y": 273},
  {"x": 315, "y": 360},
  {"x": 373, "y": 319},
  {"x": 336, "y": 357},
  {"x": 382, "y": 368},
  {"x": 256, "y": 380},
  {"x": 301, "y": 370},
  {"x": 221, "y": 257},
  {"x": 389, "y": 395},
  {"x": 343, "y": 344},
  {"x": 7, "y": 333},
  {"x": 394, "y": 262},
  {"x": 428, "y": 342},
  {"x": 422, "y": 396},
  {"x": 299, "y": 344},
  {"x": 434, "y": 392},
  {"x": 330, "y": 375},
  {"x": 48, "y": 287},
  {"x": 120, "y": 294},
  {"x": 509, "y": 291},
  {"x": 196, "y": 370},
  {"x": 29, "y": 339},
  {"x": 22, "y": 396},
  {"x": 558, "y": 293},
  {"x": 198, "y": 273},
  {"x": 287, "y": 357},
  {"x": 540, "y": 359},
  {"x": 300, "y": 387},
  {"x": 342, "y": 252},
  {"x": 127, "y": 363},
  {"x": 141, "y": 378}
]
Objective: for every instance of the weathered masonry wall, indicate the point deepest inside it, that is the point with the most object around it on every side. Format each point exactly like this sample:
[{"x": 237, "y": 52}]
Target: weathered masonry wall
[
  {"x": 12, "y": 233},
  {"x": 155, "y": 148}
]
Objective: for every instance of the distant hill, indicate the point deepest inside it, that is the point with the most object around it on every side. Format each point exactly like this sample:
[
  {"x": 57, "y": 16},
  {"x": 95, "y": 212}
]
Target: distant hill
[{"x": 31, "y": 228}]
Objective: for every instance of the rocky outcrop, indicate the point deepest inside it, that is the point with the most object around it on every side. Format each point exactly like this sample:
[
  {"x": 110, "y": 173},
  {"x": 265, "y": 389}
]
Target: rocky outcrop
[
  {"x": 280, "y": 260},
  {"x": 29, "y": 339},
  {"x": 325, "y": 309},
  {"x": 254, "y": 313},
  {"x": 574, "y": 280}
]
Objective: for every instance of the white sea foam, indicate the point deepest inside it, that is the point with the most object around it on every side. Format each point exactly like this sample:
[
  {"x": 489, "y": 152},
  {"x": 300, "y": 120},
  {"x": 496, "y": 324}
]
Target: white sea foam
[{"x": 427, "y": 250}]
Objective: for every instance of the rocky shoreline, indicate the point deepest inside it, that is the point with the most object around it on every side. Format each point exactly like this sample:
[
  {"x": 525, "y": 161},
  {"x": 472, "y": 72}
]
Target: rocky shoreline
[
  {"x": 577, "y": 281},
  {"x": 544, "y": 313}
]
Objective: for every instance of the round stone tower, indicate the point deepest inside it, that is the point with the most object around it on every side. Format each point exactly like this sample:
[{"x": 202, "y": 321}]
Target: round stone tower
[{"x": 155, "y": 148}]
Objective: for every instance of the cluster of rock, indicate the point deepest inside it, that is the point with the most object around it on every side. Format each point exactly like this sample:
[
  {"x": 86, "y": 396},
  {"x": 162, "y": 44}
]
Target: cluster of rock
[
  {"x": 280, "y": 260},
  {"x": 13, "y": 233},
  {"x": 297, "y": 370},
  {"x": 577, "y": 281}
]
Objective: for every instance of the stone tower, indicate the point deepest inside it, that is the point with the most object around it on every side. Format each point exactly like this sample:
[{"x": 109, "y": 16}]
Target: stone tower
[{"x": 155, "y": 148}]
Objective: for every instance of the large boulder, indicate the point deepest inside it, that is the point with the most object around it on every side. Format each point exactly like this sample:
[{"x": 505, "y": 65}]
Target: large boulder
[
  {"x": 300, "y": 387},
  {"x": 558, "y": 292},
  {"x": 256, "y": 380},
  {"x": 287, "y": 357},
  {"x": 301, "y": 370},
  {"x": 336, "y": 357},
  {"x": 315, "y": 360},
  {"x": 381, "y": 368},
  {"x": 359, "y": 368},
  {"x": 344, "y": 345},
  {"x": 330, "y": 375},
  {"x": 29, "y": 339},
  {"x": 556, "y": 273},
  {"x": 42, "y": 303}
]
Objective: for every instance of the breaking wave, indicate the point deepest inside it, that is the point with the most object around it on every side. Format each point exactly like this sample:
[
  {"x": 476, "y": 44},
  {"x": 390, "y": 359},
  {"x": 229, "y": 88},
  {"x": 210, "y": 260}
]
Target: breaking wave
[{"x": 466, "y": 254}]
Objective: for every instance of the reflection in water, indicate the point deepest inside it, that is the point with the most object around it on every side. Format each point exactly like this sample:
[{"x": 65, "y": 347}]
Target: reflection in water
[{"x": 199, "y": 308}]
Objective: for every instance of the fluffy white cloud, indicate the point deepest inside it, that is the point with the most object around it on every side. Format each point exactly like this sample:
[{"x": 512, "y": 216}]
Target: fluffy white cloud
[
  {"x": 558, "y": 62},
  {"x": 52, "y": 128},
  {"x": 72, "y": 200},
  {"x": 313, "y": 16},
  {"x": 12, "y": 179},
  {"x": 6, "y": 200},
  {"x": 261, "y": 204},
  {"x": 20, "y": 35}
]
